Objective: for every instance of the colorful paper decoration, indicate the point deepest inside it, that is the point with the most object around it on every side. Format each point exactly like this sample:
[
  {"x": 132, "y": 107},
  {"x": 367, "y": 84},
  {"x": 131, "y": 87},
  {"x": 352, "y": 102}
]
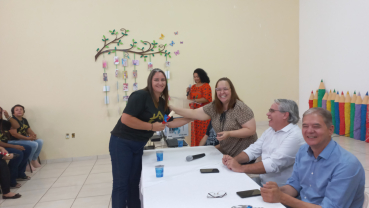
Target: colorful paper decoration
[
  {"x": 144, "y": 52},
  {"x": 105, "y": 77},
  {"x": 125, "y": 75},
  {"x": 321, "y": 93},
  {"x": 150, "y": 66},
  {"x": 167, "y": 63},
  {"x": 363, "y": 117},
  {"x": 116, "y": 60},
  {"x": 367, "y": 122},
  {"x": 176, "y": 33},
  {"x": 104, "y": 64},
  {"x": 333, "y": 98},
  {"x": 125, "y": 98},
  {"x": 337, "y": 113},
  {"x": 172, "y": 43},
  {"x": 135, "y": 62},
  {"x": 135, "y": 86},
  {"x": 135, "y": 74},
  {"x": 347, "y": 114},
  {"x": 162, "y": 37},
  {"x": 311, "y": 98},
  {"x": 124, "y": 62},
  {"x": 125, "y": 86},
  {"x": 342, "y": 114},
  {"x": 181, "y": 42},
  {"x": 324, "y": 101},
  {"x": 357, "y": 124},
  {"x": 116, "y": 72},
  {"x": 315, "y": 100},
  {"x": 176, "y": 52},
  {"x": 106, "y": 88},
  {"x": 352, "y": 115},
  {"x": 329, "y": 107}
]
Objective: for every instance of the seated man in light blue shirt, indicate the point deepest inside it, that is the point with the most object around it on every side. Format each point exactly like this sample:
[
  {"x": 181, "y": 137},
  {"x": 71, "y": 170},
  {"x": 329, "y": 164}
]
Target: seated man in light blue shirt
[
  {"x": 324, "y": 174},
  {"x": 277, "y": 146}
]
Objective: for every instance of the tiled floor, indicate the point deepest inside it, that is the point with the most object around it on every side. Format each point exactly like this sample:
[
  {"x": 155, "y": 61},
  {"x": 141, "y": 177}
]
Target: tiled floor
[{"x": 88, "y": 184}]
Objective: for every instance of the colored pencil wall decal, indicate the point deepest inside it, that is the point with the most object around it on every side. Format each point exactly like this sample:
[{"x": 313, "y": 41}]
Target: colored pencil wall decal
[
  {"x": 357, "y": 121},
  {"x": 324, "y": 101},
  {"x": 347, "y": 114},
  {"x": 342, "y": 114},
  {"x": 337, "y": 113},
  {"x": 363, "y": 117},
  {"x": 321, "y": 93},
  {"x": 367, "y": 122},
  {"x": 333, "y": 97},
  {"x": 311, "y": 98},
  {"x": 315, "y": 100},
  {"x": 352, "y": 115},
  {"x": 329, "y": 108}
]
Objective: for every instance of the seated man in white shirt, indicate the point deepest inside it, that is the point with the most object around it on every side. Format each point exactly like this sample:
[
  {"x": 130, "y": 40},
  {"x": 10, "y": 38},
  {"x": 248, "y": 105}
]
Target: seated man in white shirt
[{"x": 277, "y": 146}]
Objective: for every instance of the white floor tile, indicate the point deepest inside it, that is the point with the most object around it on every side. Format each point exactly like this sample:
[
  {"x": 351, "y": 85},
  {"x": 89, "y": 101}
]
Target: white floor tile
[
  {"x": 87, "y": 163},
  {"x": 60, "y": 193},
  {"x": 28, "y": 198},
  {"x": 96, "y": 189},
  {"x": 51, "y": 173},
  {"x": 104, "y": 168},
  {"x": 67, "y": 203},
  {"x": 92, "y": 202},
  {"x": 56, "y": 166},
  {"x": 103, "y": 161},
  {"x": 72, "y": 171},
  {"x": 19, "y": 206},
  {"x": 64, "y": 181},
  {"x": 99, "y": 178},
  {"x": 35, "y": 184}
]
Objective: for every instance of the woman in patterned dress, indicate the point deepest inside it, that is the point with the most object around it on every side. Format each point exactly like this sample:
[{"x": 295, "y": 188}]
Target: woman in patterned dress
[
  {"x": 200, "y": 94},
  {"x": 232, "y": 119}
]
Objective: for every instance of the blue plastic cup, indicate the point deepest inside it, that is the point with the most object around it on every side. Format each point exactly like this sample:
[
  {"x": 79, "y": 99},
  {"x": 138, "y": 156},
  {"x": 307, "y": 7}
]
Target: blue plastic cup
[
  {"x": 180, "y": 142},
  {"x": 159, "y": 156},
  {"x": 159, "y": 169}
]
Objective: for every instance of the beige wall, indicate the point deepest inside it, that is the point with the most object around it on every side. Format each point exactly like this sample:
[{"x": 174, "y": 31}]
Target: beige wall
[{"x": 48, "y": 47}]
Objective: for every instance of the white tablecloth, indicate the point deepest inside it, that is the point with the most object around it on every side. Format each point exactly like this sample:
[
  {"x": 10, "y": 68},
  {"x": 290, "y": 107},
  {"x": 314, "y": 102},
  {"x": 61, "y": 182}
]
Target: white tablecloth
[{"x": 184, "y": 186}]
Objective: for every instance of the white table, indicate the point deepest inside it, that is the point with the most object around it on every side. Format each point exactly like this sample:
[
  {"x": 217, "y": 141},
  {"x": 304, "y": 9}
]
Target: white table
[{"x": 183, "y": 186}]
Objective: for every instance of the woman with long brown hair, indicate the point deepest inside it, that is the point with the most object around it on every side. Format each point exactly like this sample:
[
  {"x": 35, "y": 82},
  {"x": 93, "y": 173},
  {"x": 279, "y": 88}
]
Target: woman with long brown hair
[
  {"x": 232, "y": 120},
  {"x": 142, "y": 116}
]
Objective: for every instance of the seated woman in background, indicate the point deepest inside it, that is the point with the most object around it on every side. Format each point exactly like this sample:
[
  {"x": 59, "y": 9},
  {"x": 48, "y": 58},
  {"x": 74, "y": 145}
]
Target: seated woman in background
[
  {"x": 210, "y": 138},
  {"x": 17, "y": 166},
  {"x": 200, "y": 94},
  {"x": 232, "y": 119},
  {"x": 5, "y": 176},
  {"x": 25, "y": 136}
]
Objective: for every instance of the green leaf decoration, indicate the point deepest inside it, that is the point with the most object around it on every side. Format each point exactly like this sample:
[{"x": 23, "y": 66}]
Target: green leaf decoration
[
  {"x": 106, "y": 46},
  {"x": 160, "y": 53},
  {"x": 103, "y": 40},
  {"x": 152, "y": 50},
  {"x": 165, "y": 45},
  {"x": 107, "y": 39},
  {"x": 104, "y": 36},
  {"x": 113, "y": 30},
  {"x": 141, "y": 56},
  {"x": 138, "y": 48},
  {"x": 122, "y": 33},
  {"x": 145, "y": 56},
  {"x": 109, "y": 53},
  {"x": 154, "y": 46},
  {"x": 145, "y": 60},
  {"x": 131, "y": 45},
  {"x": 110, "y": 31},
  {"x": 170, "y": 56},
  {"x": 152, "y": 54},
  {"x": 141, "y": 41},
  {"x": 142, "y": 48},
  {"x": 116, "y": 33},
  {"x": 153, "y": 41},
  {"x": 165, "y": 51},
  {"x": 127, "y": 30},
  {"x": 169, "y": 53},
  {"x": 133, "y": 40},
  {"x": 98, "y": 49},
  {"x": 134, "y": 46},
  {"x": 165, "y": 54}
]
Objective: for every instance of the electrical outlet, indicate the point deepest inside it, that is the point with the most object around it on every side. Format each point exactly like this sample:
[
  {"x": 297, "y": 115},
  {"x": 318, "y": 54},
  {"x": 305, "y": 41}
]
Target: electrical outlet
[
  {"x": 67, "y": 136},
  {"x": 73, "y": 135}
]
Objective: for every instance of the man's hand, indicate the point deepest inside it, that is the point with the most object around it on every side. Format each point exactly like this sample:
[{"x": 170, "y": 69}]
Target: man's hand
[
  {"x": 3, "y": 150},
  {"x": 233, "y": 165},
  {"x": 223, "y": 135},
  {"x": 271, "y": 192},
  {"x": 19, "y": 147},
  {"x": 225, "y": 159}
]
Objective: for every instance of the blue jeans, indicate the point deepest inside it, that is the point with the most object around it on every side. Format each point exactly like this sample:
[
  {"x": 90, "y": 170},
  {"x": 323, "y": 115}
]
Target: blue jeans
[
  {"x": 126, "y": 160},
  {"x": 17, "y": 166},
  {"x": 35, "y": 145}
]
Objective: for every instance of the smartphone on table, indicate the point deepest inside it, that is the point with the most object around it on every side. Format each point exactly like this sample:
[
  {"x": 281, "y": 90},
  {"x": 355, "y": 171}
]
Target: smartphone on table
[{"x": 249, "y": 193}]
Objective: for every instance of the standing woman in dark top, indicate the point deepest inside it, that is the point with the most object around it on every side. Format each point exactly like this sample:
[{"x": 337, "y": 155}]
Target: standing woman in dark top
[{"x": 142, "y": 116}]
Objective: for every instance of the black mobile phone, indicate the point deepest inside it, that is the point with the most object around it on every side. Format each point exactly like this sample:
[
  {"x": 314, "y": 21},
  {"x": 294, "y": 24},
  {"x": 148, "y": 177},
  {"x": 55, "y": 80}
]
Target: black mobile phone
[
  {"x": 249, "y": 193},
  {"x": 212, "y": 170}
]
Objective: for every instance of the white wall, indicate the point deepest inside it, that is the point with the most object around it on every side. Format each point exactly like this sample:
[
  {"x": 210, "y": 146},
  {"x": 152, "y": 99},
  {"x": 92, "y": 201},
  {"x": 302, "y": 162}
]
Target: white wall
[{"x": 334, "y": 46}]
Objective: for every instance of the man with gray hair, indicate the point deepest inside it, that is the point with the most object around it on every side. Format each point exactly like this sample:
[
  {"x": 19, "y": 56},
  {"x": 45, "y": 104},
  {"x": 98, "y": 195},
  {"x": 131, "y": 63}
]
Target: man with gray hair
[
  {"x": 277, "y": 146},
  {"x": 324, "y": 174}
]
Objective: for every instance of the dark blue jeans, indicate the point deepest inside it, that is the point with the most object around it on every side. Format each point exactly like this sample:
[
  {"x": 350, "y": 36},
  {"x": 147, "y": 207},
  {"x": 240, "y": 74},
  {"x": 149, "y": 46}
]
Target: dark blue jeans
[
  {"x": 126, "y": 160},
  {"x": 17, "y": 166}
]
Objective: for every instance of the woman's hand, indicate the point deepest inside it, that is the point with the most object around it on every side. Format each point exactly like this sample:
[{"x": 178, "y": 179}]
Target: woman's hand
[
  {"x": 188, "y": 89},
  {"x": 3, "y": 150},
  {"x": 158, "y": 126},
  {"x": 19, "y": 147},
  {"x": 223, "y": 135},
  {"x": 6, "y": 114}
]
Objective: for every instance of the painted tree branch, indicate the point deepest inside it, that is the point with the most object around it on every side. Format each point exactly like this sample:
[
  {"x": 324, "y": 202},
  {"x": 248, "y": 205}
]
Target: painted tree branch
[{"x": 143, "y": 52}]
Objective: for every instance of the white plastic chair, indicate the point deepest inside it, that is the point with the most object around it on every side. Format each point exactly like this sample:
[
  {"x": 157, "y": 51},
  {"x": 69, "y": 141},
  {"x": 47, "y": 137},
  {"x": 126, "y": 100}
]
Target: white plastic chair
[{"x": 366, "y": 200}]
